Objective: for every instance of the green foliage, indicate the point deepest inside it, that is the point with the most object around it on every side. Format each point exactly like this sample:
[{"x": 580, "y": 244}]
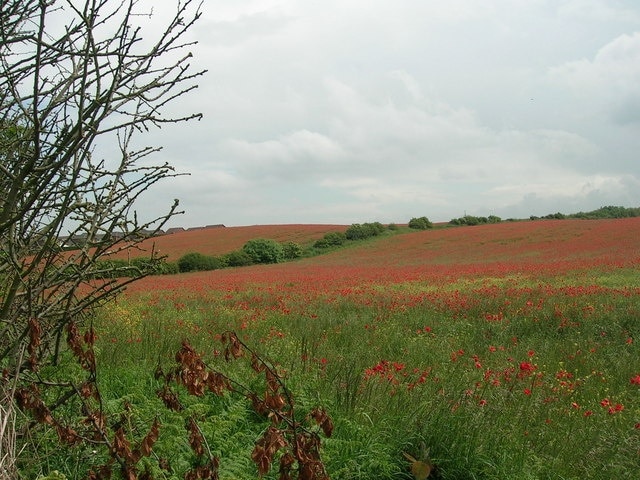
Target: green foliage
[
  {"x": 365, "y": 355},
  {"x": 608, "y": 212},
  {"x": 237, "y": 258},
  {"x": 420, "y": 223},
  {"x": 360, "y": 231},
  {"x": 470, "y": 220},
  {"x": 263, "y": 250},
  {"x": 55, "y": 475},
  {"x": 195, "y": 261},
  {"x": 292, "y": 250},
  {"x": 331, "y": 239}
]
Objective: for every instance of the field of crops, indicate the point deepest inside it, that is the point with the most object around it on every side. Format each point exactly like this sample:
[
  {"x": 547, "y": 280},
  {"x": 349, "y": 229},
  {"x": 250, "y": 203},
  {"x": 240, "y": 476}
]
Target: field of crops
[
  {"x": 508, "y": 351},
  {"x": 220, "y": 240}
]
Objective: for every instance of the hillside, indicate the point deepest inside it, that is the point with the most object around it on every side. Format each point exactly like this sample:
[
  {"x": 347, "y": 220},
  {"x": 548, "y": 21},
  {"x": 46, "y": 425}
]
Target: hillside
[
  {"x": 220, "y": 240},
  {"x": 533, "y": 249}
]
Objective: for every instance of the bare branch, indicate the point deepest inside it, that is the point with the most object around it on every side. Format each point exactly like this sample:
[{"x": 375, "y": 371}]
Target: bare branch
[{"x": 78, "y": 84}]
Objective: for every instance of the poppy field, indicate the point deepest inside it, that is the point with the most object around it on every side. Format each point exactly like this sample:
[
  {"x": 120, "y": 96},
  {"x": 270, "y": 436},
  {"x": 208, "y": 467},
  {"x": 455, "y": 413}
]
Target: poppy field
[{"x": 506, "y": 351}]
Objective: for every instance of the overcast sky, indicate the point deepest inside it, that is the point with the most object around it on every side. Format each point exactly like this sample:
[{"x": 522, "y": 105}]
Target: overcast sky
[{"x": 356, "y": 111}]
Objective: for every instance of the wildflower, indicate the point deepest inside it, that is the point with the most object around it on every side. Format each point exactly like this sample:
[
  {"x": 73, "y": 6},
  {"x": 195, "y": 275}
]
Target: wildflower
[
  {"x": 616, "y": 409},
  {"x": 605, "y": 402},
  {"x": 526, "y": 369},
  {"x": 527, "y": 391},
  {"x": 398, "y": 366},
  {"x": 635, "y": 380},
  {"x": 588, "y": 413}
]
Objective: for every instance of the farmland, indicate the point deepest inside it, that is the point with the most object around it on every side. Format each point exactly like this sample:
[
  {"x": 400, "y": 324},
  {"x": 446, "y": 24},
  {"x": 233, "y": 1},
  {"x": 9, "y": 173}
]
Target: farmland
[
  {"x": 507, "y": 350},
  {"x": 220, "y": 240}
]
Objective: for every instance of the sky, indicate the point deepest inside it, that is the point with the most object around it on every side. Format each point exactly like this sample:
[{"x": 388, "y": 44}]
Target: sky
[{"x": 346, "y": 111}]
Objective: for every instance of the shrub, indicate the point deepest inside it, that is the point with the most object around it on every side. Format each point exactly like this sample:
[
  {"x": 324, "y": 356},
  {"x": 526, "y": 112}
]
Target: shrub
[
  {"x": 237, "y": 258},
  {"x": 421, "y": 223},
  {"x": 331, "y": 239},
  {"x": 471, "y": 220},
  {"x": 291, "y": 250},
  {"x": 262, "y": 250},
  {"x": 359, "y": 231},
  {"x": 167, "y": 268},
  {"x": 392, "y": 227},
  {"x": 195, "y": 261}
]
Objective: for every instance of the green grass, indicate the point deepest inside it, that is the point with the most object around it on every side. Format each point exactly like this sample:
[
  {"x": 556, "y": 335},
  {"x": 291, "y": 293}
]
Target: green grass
[{"x": 501, "y": 378}]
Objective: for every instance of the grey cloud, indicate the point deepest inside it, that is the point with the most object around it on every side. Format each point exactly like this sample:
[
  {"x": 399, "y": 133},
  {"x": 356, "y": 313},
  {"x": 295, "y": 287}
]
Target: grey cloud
[{"x": 356, "y": 111}]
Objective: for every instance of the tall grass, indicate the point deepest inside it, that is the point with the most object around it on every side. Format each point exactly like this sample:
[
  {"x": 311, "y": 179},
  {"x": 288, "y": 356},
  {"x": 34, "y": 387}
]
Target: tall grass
[{"x": 500, "y": 378}]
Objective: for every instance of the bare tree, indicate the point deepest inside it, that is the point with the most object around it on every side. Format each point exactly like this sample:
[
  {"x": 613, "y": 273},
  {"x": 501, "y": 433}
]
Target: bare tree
[{"x": 78, "y": 83}]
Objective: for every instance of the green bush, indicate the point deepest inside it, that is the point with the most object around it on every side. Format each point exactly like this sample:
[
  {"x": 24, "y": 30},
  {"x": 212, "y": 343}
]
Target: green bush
[
  {"x": 167, "y": 268},
  {"x": 421, "y": 223},
  {"x": 291, "y": 250},
  {"x": 331, "y": 239},
  {"x": 471, "y": 220},
  {"x": 360, "y": 231},
  {"x": 194, "y": 261},
  {"x": 263, "y": 250},
  {"x": 237, "y": 258}
]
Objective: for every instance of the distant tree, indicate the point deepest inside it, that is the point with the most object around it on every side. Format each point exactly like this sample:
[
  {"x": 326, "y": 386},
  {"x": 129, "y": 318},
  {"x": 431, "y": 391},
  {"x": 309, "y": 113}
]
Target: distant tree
[
  {"x": 420, "y": 223},
  {"x": 262, "y": 250}
]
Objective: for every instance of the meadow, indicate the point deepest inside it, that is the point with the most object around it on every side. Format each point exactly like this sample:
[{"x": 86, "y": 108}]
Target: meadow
[{"x": 508, "y": 351}]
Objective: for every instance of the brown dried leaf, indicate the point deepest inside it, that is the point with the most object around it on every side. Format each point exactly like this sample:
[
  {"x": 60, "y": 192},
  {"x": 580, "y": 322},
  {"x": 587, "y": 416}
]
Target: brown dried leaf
[
  {"x": 90, "y": 336},
  {"x": 274, "y": 402},
  {"x": 150, "y": 439},
  {"x": 286, "y": 463},
  {"x": 121, "y": 445},
  {"x": 170, "y": 399},
  {"x": 196, "y": 440},
  {"x": 323, "y": 420},
  {"x": 257, "y": 364}
]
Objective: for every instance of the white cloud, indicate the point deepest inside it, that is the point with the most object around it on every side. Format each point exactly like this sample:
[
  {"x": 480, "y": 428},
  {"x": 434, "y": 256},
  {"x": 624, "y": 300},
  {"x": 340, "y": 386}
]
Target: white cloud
[
  {"x": 344, "y": 112},
  {"x": 600, "y": 10},
  {"x": 611, "y": 80}
]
